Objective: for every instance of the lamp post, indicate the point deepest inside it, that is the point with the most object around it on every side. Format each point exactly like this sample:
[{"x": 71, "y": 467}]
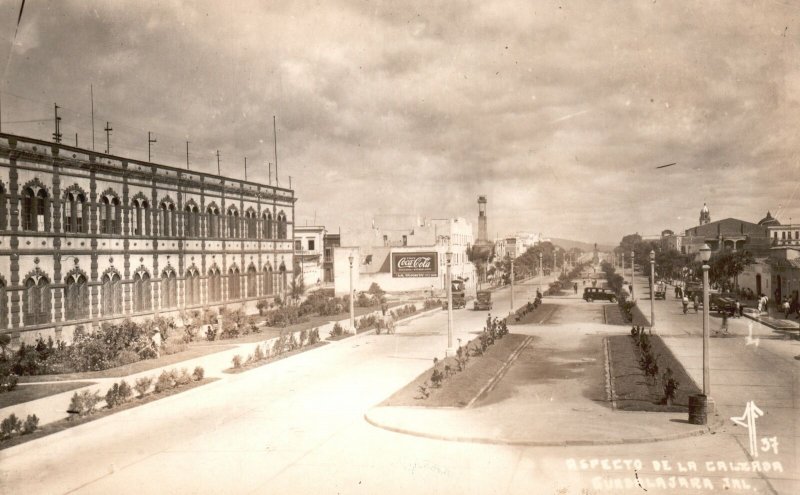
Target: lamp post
[
  {"x": 705, "y": 255},
  {"x": 512, "y": 285},
  {"x": 623, "y": 266},
  {"x": 352, "y": 311},
  {"x": 449, "y": 256},
  {"x": 633, "y": 274},
  {"x": 652, "y": 288},
  {"x": 541, "y": 271}
]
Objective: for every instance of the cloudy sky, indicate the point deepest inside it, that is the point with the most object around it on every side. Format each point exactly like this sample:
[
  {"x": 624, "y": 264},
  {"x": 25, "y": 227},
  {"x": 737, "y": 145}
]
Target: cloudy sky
[{"x": 558, "y": 111}]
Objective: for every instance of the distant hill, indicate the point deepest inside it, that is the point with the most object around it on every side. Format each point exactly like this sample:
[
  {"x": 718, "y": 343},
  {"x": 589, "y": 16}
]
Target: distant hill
[{"x": 585, "y": 246}]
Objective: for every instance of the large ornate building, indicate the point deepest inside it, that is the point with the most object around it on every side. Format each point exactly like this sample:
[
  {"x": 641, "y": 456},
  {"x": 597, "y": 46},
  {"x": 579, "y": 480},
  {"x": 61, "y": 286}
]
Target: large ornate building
[{"x": 87, "y": 237}]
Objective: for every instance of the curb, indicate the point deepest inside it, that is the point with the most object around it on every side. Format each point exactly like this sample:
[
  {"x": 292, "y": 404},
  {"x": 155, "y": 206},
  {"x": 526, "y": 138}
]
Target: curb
[
  {"x": 612, "y": 396},
  {"x": 501, "y": 372},
  {"x": 708, "y": 429}
]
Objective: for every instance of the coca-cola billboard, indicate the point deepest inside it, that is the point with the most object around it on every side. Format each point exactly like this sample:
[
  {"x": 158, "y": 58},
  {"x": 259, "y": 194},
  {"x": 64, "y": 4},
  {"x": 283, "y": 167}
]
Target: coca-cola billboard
[{"x": 415, "y": 265}]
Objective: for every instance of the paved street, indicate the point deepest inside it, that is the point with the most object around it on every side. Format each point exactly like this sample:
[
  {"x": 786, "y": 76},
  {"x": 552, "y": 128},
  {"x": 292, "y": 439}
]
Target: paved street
[{"x": 297, "y": 426}]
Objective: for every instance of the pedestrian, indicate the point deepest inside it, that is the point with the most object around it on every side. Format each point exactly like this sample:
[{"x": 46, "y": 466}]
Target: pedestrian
[
  {"x": 723, "y": 329},
  {"x": 695, "y": 303},
  {"x": 575, "y": 286},
  {"x": 738, "y": 311},
  {"x": 685, "y": 302},
  {"x": 156, "y": 338},
  {"x": 786, "y": 307}
]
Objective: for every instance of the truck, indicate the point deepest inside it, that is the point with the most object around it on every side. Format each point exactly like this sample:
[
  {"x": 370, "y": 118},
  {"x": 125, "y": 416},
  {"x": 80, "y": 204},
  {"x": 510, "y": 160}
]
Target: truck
[
  {"x": 459, "y": 295},
  {"x": 483, "y": 301}
]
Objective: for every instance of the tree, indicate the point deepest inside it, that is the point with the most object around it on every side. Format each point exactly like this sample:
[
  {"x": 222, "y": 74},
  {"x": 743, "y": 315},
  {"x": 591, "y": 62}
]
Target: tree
[
  {"x": 297, "y": 288},
  {"x": 729, "y": 265}
]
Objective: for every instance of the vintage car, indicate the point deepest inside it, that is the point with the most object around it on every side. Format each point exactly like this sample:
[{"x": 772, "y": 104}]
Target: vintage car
[
  {"x": 591, "y": 294},
  {"x": 483, "y": 301}
]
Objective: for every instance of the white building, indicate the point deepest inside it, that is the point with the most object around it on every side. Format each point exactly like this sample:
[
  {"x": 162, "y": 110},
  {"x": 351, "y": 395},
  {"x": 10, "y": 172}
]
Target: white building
[
  {"x": 408, "y": 257},
  {"x": 308, "y": 254}
]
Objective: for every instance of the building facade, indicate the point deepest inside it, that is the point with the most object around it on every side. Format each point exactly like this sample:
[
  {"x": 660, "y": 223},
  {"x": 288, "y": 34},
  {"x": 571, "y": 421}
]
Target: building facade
[
  {"x": 308, "y": 254},
  {"x": 87, "y": 238},
  {"x": 330, "y": 242}
]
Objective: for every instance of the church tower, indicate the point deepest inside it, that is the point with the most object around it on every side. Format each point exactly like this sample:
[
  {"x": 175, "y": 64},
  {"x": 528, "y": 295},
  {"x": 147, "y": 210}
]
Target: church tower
[{"x": 705, "y": 216}]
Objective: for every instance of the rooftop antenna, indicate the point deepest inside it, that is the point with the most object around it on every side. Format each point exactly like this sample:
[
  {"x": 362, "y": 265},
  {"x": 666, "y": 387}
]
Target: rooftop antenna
[
  {"x": 91, "y": 93},
  {"x": 270, "y": 173},
  {"x": 245, "y": 168},
  {"x": 275, "y": 142},
  {"x": 57, "y": 133},
  {"x": 290, "y": 182},
  {"x": 76, "y": 139},
  {"x": 187, "y": 155},
  {"x": 150, "y": 141},
  {"x": 108, "y": 130},
  {"x": 218, "y": 172}
]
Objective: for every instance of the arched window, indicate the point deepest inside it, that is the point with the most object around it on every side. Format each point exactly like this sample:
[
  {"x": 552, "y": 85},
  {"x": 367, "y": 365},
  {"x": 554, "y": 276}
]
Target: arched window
[
  {"x": 234, "y": 284},
  {"x": 267, "y": 283},
  {"x": 250, "y": 220},
  {"x": 3, "y": 305},
  {"x": 282, "y": 230},
  {"x": 191, "y": 221},
  {"x": 252, "y": 284},
  {"x": 283, "y": 278},
  {"x": 3, "y": 208},
  {"x": 192, "y": 283},
  {"x": 110, "y": 215},
  {"x": 212, "y": 216},
  {"x": 169, "y": 288},
  {"x": 141, "y": 217},
  {"x": 233, "y": 222},
  {"x": 76, "y": 297},
  {"x": 142, "y": 292},
  {"x": 214, "y": 285},
  {"x": 35, "y": 205},
  {"x": 166, "y": 219},
  {"x": 36, "y": 303},
  {"x": 266, "y": 225},
  {"x": 112, "y": 294}
]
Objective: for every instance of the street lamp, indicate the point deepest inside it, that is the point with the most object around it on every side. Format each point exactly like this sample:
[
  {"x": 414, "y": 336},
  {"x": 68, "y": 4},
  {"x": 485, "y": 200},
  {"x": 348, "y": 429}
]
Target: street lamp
[
  {"x": 698, "y": 405},
  {"x": 633, "y": 274},
  {"x": 512, "y": 285},
  {"x": 449, "y": 256},
  {"x": 652, "y": 287},
  {"x": 352, "y": 293},
  {"x": 541, "y": 271}
]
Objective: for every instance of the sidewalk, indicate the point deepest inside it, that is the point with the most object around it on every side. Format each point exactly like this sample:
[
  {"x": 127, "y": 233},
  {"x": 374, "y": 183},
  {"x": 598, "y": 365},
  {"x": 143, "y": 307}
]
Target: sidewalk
[{"x": 53, "y": 408}]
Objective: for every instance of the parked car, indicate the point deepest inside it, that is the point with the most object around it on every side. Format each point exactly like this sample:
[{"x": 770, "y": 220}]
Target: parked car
[{"x": 591, "y": 294}]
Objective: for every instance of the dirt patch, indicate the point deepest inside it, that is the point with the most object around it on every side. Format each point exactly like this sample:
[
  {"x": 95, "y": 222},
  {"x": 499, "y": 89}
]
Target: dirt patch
[
  {"x": 615, "y": 316},
  {"x": 461, "y": 388},
  {"x": 633, "y": 390},
  {"x": 26, "y": 393},
  {"x": 554, "y": 368}
]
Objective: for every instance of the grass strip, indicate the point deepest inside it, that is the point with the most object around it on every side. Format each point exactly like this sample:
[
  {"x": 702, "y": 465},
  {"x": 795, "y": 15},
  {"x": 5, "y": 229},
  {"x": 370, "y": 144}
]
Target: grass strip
[
  {"x": 632, "y": 389},
  {"x": 255, "y": 364},
  {"x": 459, "y": 389},
  {"x": 66, "y": 423},
  {"x": 27, "y": 393}
]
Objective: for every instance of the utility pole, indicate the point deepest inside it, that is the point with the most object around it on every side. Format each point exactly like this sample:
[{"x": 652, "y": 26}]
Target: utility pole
[
  {"x": 187, "y": 155},
  {"x": 270, "y": 173},
  {"x": 218, "y": 172},
  {"x": 150, "y": 141},
  {"x": 275, "y": 141},
  {"x": 245, "y": 168},
  {"x": 290, "y": 182},
  {"x": 91, "y": 93},
  {"x": 108, "y": 130},
  {"x": 57, "y": 133},
  {"x": 76, "y": 139}
]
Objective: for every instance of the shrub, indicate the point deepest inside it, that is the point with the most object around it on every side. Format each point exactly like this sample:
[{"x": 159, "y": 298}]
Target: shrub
[
  {"x": 237, "y": 361},
  {"x": 31, "y": 424},
  {"x": 258, "y": 354},
  {"x": 127, "y": 357},
  {"x": 313, "y": 337},
  {"x": 211, "y": 333},
  {"x": 118, "y": 394},
  {"x": 164, "y": 382},
  {"x": 424, "y": 391},
  {"x": 125, "y": 392},
  {"x": 143, "y": 385},
  {"x": 9, "y": 425},
  {"x": 670, "y": 387},
  {"x": 173, "y": 347},
  {"x": 8, "y": 382},
  {"x": 83, "y": 403},
  {"x": 184, "y": 378},
  {"x": 303, "y": 337},
  {"x": 293, "y": 343},
  {"x": 111, "y": 396},
  {"x": 437, "y": 378},
  {"x": 337, "y": 330},
  {"x": 198, "y": 373},
  {"x": 431, "y": 303}
]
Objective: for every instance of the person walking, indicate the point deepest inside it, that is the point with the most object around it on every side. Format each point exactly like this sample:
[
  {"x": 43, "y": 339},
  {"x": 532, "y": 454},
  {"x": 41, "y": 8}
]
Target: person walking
[
  {"x": 723, "y": 329},
  {"x": 738, "y": 310},
  {"x": 695, "y": 303},
  {"x": 685, "y": 302},
  {"x": 575, "y": 286},
  {"x": 786, "y": 307}
]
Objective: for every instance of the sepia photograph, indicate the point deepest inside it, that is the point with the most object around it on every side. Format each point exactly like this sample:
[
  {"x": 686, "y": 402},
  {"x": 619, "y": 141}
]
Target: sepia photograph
[{"x": 525, "y": 247}]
